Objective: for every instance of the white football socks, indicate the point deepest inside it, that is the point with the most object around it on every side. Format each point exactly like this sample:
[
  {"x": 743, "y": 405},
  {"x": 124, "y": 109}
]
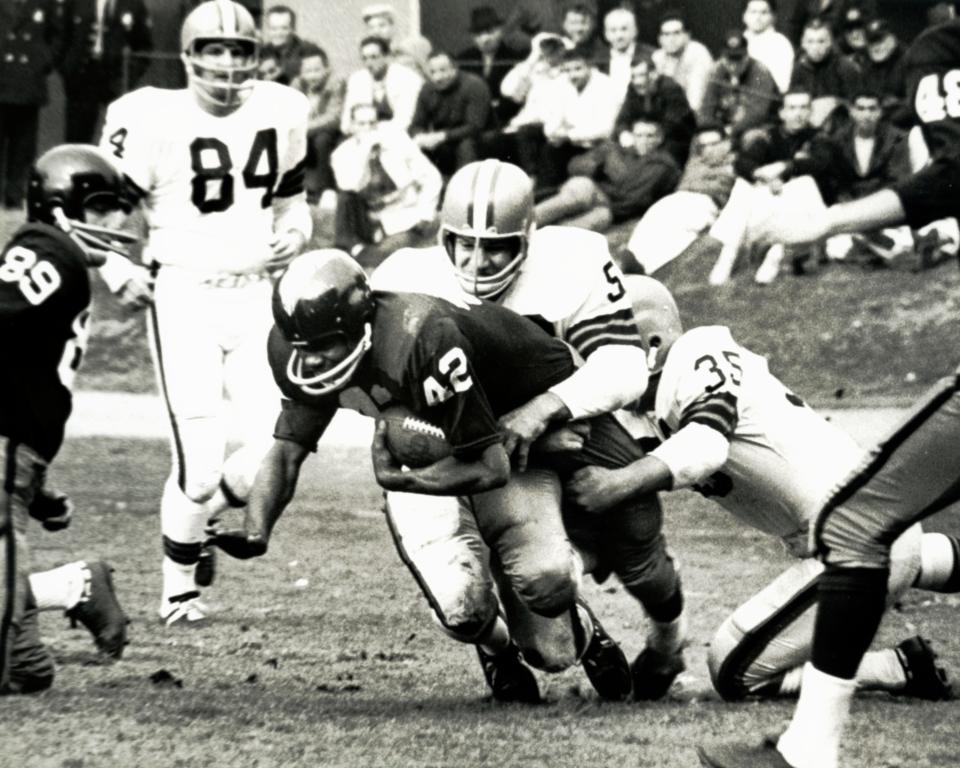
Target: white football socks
[
  {"x": 59, "y": 588},
  {"x": 812, "y": 740},
  {"x": 182, "y": 520},
  {"x": 668, "y": 637},
  {"x": 879, "y": 670}
]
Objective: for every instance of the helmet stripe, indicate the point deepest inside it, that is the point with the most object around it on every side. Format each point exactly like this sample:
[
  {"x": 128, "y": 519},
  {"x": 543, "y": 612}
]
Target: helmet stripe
[
  {"x": 228, "y": 17},
  {"x": 483, "y": 187}
]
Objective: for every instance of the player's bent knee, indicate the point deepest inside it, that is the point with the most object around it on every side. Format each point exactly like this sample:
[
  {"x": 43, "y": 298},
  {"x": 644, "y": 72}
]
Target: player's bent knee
[
  {"x": 723, "y": 672},
  {"x": 201, "y": 488},
  {"x": 469, "y": 619},
  {"x": 551, "y": 588}
]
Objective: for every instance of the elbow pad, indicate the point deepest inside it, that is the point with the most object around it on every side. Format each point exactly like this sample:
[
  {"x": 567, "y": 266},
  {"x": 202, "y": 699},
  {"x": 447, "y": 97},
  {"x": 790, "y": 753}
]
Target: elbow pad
[{"x": 693, "y": 454}]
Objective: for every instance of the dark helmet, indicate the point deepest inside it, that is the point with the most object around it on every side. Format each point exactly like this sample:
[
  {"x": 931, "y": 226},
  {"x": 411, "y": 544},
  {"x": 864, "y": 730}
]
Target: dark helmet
[
  {"x": 323, "y": 294},
  {"x": 71, "y": 177}
]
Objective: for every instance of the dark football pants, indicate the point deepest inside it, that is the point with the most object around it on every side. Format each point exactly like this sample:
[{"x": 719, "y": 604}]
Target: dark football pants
[
  {"x": 627, "y": 540},
  {"x": 25, "y": 663},
  {"x": 912, "y": 474}
]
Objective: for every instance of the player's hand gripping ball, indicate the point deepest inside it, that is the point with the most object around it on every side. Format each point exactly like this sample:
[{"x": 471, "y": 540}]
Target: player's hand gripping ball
[{"x": 412, "y": 441}]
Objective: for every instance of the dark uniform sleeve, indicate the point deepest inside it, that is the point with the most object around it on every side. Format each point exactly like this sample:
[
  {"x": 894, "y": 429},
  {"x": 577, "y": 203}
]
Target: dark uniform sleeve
[
  {"x": 444, "y": 389},
  {"x": 303, "y": 418},
  {"x": 933, "y": 89}
]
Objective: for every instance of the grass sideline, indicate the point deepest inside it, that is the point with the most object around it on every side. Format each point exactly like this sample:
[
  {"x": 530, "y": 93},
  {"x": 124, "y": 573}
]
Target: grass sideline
[
  {"x": 346, "y": 669},
  {"x": 842, "y": 335}
]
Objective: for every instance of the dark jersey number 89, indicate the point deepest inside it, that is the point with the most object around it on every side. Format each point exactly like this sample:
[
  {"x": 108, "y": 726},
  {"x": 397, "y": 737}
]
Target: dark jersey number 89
[{"x": 264, "y": 144}]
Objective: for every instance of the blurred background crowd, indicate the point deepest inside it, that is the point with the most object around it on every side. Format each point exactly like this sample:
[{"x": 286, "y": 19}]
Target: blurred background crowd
[{"x": 672, "y": 122}]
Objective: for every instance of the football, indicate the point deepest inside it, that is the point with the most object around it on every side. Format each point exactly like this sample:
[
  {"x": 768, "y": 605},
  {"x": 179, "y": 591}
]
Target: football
[{"x": 413, "y": 441}]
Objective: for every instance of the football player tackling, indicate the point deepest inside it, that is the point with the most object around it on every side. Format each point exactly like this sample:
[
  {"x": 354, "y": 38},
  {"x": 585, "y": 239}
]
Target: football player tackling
[
  {"x": 337, "y": 344},
  {"x": 732, "y": 431},
  {"x": 910, "y": 475},
  {"x": 220, "y": 165},
  {"x": 77, "y": 204}
]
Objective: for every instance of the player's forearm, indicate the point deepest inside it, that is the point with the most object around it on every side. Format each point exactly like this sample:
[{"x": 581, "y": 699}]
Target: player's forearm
[
  {"x": 645, "y": 476},
  {"x": 691, "y": 455},
  {"x": 273, "y": 488},
  {"x": 612, "y": 377},
  {"x": 881, "y": 209},
  {"x": 453, "y": 477}
]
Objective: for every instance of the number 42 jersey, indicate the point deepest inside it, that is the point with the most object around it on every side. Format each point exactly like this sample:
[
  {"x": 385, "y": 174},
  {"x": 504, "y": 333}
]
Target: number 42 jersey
[{"x": 211, "y": 182}]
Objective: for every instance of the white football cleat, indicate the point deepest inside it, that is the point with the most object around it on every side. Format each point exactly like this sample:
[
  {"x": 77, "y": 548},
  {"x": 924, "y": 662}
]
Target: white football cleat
[{"x": 184, "y": 610}]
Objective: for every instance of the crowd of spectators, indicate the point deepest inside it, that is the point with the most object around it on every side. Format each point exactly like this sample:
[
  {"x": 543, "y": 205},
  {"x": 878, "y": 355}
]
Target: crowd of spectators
[{"x": 686, "y": 142}]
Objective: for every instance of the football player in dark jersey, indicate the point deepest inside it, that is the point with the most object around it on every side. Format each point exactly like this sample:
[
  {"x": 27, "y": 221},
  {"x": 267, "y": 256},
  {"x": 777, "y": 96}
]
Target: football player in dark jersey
[
  {"x": 913, "y": 473},
  {"x": 77, "y": 203},
  {"x": 338, "y": 343}
]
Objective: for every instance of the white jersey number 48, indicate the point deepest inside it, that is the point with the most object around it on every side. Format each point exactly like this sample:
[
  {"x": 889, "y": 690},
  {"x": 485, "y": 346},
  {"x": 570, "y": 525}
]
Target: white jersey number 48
[{"x": 934, "y": 103}]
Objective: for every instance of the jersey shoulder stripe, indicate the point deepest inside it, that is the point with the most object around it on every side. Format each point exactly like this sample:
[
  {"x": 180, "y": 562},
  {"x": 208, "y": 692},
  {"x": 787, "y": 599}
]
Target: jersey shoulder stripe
[{"x": 718, "y": 411}]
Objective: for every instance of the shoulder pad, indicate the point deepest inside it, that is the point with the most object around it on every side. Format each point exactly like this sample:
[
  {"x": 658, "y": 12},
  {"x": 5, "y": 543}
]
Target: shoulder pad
[
  {"x": 420, "y": 270},
  {"x": 561, "y": 269}
]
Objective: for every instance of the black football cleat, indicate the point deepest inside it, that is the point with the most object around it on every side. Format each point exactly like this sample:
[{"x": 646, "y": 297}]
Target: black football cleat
[
  {"x": 925, "y": 680},
  {"x": 100, "y": 612},
  {"x": 654, "y": 672},
  {"x": 605, "y": 664},
  {"x": 510, "y": 680},
  {"x": 765, "y": 755}
]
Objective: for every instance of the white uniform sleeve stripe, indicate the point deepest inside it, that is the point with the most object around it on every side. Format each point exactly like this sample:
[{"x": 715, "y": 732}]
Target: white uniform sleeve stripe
[{"x": 585, "y": 332}]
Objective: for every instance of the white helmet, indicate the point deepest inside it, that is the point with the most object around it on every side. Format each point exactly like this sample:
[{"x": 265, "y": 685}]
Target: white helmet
[
  {"x": 223, "y": 85},
  {"x": 657, "y": 318},
  {"x": 490, "y": 202}
]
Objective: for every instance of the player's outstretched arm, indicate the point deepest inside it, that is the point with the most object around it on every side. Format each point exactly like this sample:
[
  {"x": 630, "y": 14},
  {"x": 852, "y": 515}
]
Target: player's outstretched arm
[
  {"x": 596, "y": 489},
  {"x": 448, "y": 477},
  {"x": 272, "y": 490}
]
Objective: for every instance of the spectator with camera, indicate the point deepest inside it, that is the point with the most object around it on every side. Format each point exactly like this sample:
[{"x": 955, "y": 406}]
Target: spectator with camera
[{"x": 685, "y": 60}]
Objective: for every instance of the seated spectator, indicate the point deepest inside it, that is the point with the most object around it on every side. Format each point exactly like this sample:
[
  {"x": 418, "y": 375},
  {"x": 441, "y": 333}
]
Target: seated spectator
[
  {"x": 656, "y": 95},
  {"x": 580, "y": 28},
  {"x": 324, "y": 92},
  {"x": 831, "y": 79},
  {"x": 269, "y": 68},
  {"x": 611, "y": 183},
  {"x": 535, "y": 85},
  {"x": 867, "y": 155},
  {"x": 772, "y": 162},
  {"x": 830, "y": 12},
  {"x": 389, "y": 191},
  {"x": 380, "y": 20},
  {"x": 529, "y": 18},
  {"x": 452, "y": 110},
  {"x": 882, "y": 71},
  {"x": 620, "y": 32},
  {"x": 741, "y": 93},
  {"x": 672, "y": 223},
  {"x": 587, "y": 105},
  {"x": 941, "y": 12},
  {"x": 853, "y": 37},
  {"x": 281, "y": 41},
  {"x": 687, "y": 61},
  {"x": 391, "y": 87},
  {"x": 764, "y": 43},
  {"x": 491, "y": 58}
]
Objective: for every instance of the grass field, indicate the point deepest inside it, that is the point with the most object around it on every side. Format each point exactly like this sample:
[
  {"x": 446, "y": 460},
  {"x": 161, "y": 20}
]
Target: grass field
[{"x": 348, "y": 670}]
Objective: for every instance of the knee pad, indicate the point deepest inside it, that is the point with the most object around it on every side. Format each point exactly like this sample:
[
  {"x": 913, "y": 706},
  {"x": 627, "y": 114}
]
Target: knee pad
[
  {"x": 551, "y": 588},
  {"x": 466, "y": 614}
]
